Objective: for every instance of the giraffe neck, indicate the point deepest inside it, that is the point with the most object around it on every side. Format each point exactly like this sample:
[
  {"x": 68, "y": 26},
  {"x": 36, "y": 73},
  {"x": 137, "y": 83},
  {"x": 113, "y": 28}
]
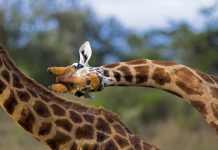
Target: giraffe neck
[
  {"x": 57, "y": 123},
  {"x": 198, "y": 88}
]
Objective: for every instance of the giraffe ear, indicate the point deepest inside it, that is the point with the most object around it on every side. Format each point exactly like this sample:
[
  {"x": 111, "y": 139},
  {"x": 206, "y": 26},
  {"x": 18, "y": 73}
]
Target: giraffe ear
[{"x": 85, "y": 53}]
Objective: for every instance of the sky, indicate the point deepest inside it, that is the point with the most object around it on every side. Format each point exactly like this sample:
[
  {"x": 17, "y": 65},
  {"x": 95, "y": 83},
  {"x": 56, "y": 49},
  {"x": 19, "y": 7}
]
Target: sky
[{"x": 146, "y": 14}]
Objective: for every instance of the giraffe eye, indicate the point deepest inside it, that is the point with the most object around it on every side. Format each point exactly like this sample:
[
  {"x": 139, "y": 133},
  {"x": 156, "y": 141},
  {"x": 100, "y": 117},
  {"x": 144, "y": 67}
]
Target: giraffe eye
[{"x": 79, "y": 66}]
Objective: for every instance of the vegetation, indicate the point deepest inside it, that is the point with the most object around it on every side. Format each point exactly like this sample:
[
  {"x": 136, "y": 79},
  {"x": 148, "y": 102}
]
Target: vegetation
[{"x": 47, "y": 33}]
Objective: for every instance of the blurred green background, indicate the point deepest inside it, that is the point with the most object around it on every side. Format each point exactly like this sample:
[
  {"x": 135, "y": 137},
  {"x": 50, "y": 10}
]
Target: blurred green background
[{"x": 44, "y": 33}]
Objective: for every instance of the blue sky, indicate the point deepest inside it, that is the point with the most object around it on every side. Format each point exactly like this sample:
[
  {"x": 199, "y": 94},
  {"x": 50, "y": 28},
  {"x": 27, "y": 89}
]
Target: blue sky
[{"x": 146, "y": 14}]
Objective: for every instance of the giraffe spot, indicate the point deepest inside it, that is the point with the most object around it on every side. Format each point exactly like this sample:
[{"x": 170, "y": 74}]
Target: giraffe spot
[
  {"x": 215, "y": 79},
  {"x": 112, "y": 65},
  {"x": 32, "y": 93},
  {"x": 200, "y": 106},
  {"x": 90, "y": 147},
  {"x": 126, "y": 73},
  {"x": 188, "y": 82},
  {"x": 101, "y": 125},
  {"x": 44, "y": 98},
  {"x": 24, "y": 96},
  {"x": 2, "y": 86},
  {"x": 16, "y": 82},
  {"x": 6, "y": 75},
  {"x": 160, "y": 76},
  {"x": 141, "y": 74},
  {"x": 117, "y": 76},
  {"x": 110, "y": 145},
  {"x": 58, "y": 110},
  {"x": 214, "y": 92},
  {"x": 106, "y": 73},
  {"x": 89, "y": 118},
  {"x": 215, "y": 109},
  {"x": 27, "y": 119},
  {"x": 41, "y": 109},
  {"x": 135, "y": 141},
  {"x": 84, "y": 132},
  {"x": 121, "y": 141},
  {"x": 128, "y": 130},
  {"x": 204, "y": 76},
  {"x": 215, "y": 127},
  {"x": 74, "y": 146},
  {"x": 119, "y": 129},
  {"x": 136, "y": 62},
  {"x": 58, "y": 140},
  {"x": 163, "y": 63},
  {"x": 10, "y": 103},
  {"x": 146, "y": 146},
  {"x": 101, "y": 137},
  {"x": 64, "y": 123},
  {"x": 75, "y": 117},
  {"x": 45, "y": 128}
]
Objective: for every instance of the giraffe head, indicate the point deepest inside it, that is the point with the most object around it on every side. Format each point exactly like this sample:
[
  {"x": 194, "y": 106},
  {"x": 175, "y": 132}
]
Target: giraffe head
[{"x": 79, "y": 78}]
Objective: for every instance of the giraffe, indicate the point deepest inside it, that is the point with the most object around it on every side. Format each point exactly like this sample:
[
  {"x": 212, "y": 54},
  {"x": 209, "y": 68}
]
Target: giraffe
[
  {"x": 57, "y": 123},
  {"x": 198, "y": 88}
]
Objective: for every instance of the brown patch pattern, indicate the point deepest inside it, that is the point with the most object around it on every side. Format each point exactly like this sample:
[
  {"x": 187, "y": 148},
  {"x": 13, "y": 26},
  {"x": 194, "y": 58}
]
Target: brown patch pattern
[
  {"x": 141, "y": 74},
  {"x": 90, "y": 147},
  {"x": 41, "y": 109},
  {"x": 101, "y": 137},
  {"x": 106, "y": 73},
  {"x": 27, "y": 119},
  {"x": 135, "y": 141},
  {"x": 23, "y": 95},
  {"x": 32, "y": 93},
  {"x": 10, "y": 103},
  {"x": 16, "y": 81},
  {"x": 110, "y": 145},
  {"x": 58, "y": 110},
  {"x": 58, "y": 140},
  {"x": 188, "y": 82},
  {"x": 119, "y": 129},
  {"x": 117, "y": 76},
  {"x": 111, "y": 65},
  {"x": 5, "y": 74},
  {"x": 2, "y": 86},
  {"x": 136, "y": 62},
  {"x": 122, "y": 142},
  {"x": 64, "y": 123},
  {"x": 84, "y": 132},
  {"x": 74, "y": 146},
  {"x": 200, "y": 106},
  {"x": 214, "y": 92},
  {"x": 45, "y": 128},
  {"x": 101, "y": 125},
  {"x": 126, "y": 73},
  {"x": 89, "y": 118},
  {"x": 163, "y": 63},
  {"x": 75, "y": 117},
  {"x": 160, "y": 76},
  {"x": 204, "y": 76},
  {"x": 215, "y": 109}
]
